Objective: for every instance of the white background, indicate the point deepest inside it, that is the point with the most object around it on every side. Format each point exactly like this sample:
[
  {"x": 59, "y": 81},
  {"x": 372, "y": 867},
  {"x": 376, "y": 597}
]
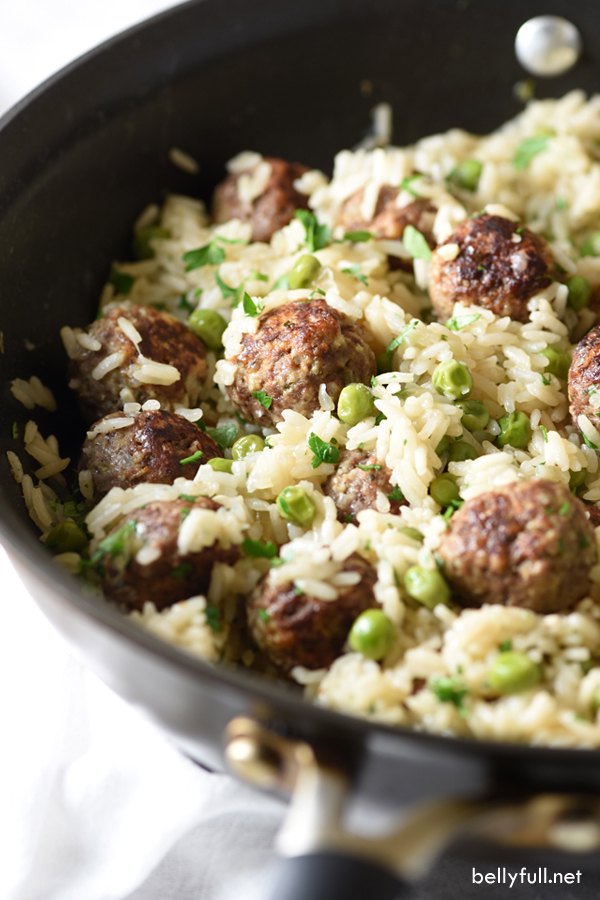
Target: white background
[{"x": 94, "y": 804}]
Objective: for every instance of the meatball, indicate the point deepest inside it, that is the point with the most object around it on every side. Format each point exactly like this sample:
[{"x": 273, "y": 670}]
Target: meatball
[
  {"x": 171, "y": 576},
  {"x": 584, "y": 377},
  {"x": 528, "y": 544},
  {"x": 298, "y": 347},
  {"x": 151, "y": 449},
  {"x": 500, "y": 265},
  {"x": 357, "y": 482},
  {"x": 296, "y": 629},
  {"x": 164, "y": 340},
  {"x": 593, "y": 514},
  {"x": 272, "y": 209},
  {"x": 388, "y": 220}
]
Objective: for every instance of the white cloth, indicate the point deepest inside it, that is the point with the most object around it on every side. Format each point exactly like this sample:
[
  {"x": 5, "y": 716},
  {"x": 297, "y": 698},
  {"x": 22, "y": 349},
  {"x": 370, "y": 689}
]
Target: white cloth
[{"x": 94, "y": 803}]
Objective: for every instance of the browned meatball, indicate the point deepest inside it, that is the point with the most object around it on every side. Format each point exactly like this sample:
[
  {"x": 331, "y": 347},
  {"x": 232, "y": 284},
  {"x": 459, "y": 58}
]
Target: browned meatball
[
  {"x": 389, "y": 220},
  {"x": 295, "y": 629},
  {"x": 584, "y": 376},
  {"x": 357, "y": 481},
  {"x": 172, "y": 576},
  {"x": 298, "y": 347},
  {"x": 272, "y": 209},
  {"x": 500, "y": 266},
  {"x": 164, "y": 340},
  {"x": 151, "y": 449},
  {"x": 593, "y": 514},
  {"x": 528, "y": 544}
]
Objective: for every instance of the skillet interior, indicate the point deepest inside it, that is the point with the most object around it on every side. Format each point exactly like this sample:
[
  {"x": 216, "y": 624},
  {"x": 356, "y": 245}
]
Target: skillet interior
[{"x": 85, "y": 153}]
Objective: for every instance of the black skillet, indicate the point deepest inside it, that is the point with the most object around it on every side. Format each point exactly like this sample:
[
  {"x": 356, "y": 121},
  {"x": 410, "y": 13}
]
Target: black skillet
[{"x": 80, "y": 158}]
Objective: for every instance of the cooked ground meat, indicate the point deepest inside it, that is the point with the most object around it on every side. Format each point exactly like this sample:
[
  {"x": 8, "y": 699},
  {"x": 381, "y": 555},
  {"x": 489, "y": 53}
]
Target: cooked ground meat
[
  {"x": 593, "y": 513},
  {"x": 388, "y": 220},
  {"x": 172, "y": 576},
  {"x": 299, "y": 630},
  {"x": 584, "y": 377},
  {"x": 527, "y": 544},
  {"x": 500, "y": 266},
  {"x": 151, "y": 449},
  {"x": 356, "y": 483},
  {"x": 272, "y": 209},
  {"x": 298, "y": 347},
  {"x": 164, "y": 340}
]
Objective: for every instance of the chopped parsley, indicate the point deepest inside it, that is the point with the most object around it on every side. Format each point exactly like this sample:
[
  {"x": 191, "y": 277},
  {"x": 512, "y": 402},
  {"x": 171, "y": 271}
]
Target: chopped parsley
[
  {"x": 584, "y": 541},
  {"x": 561, "y": 203},
  {"x": 375, "y": 467},
  {"x": 416, "y": 244},
  {"x": 226, "y": 289},
  {"x": 250, "y": 307},
  {"x": 359, "y": 237},
  {"x": 316, "y": 291},
  {"x": 73, "y": 510},
  {"x": 380, "y": 419},
  {"x": 224, "y": 436},
  {"x": 259, "y": 549},
  {"x": 374, "y": 381},
  {"x": 395, "y": 343},
  {"x": 458, "y": 322},
  {"x": 282, "y": 283},
  {"x": 190, "y": 459},
  {"x": 545, "y": 433},
  {"x": 588, "y": 443},
  {"x": 181, "y": 571},
  {"x": 323, "y": 452},
  {"x": 159, "y": 306},
  {"x": 407, "y": 182},
  {"x": 316, "y": 236},
  {"x": 565, "y": 509},
  {"x": 211, "y": 254},
  {"x": 115, "y": 543},
  {"x": 505, "y": 646},
  {"x": 257, "y": 276},
  {"x": 546, "y": 380},
  {"x": 592, "y": 390},
  {"x": 121, "y": 281},
  {"x": 212, "y": 617},
  {"x": 449, "y": 690},
  {"x": 396, "y": 494},
  {"x": 263, "y": 615},
  {"x": 263, "y": 399},
  {"x": 224, "y": 240},
  {"x": 188, "y": 497},
  {"x": 15, "y": 430},
  {"x": 354, "y": 272},
  {"x": 529, "y": 148}
]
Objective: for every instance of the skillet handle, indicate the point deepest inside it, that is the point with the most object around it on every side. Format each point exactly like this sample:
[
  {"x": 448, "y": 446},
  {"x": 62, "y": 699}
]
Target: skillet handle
[{"x": 333, "y": 876}]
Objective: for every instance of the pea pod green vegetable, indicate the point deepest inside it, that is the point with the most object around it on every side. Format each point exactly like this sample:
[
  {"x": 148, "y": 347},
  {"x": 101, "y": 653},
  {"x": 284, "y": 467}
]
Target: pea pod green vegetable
[
  {"x": 515, "y": 429},
  {"x": 66, "y": 537},
  {"x": 512, "y": 672},
  {"x": 303, "y": 272},
  {"x": 580, "y": 292},
  {"x": 475, "y": 415},
  {"x": 444, "y": 489},
  {"x": 372, "y": 634},
  {"x": 427, "y": 586},
  {"x": 295, "y": 505},
  {"x": 244, "y": 446},
  {"x": 453, "y": 379},
  {"x": 355, "y": 403},
  {"x": 558, "y": 363},
  {"x": 209, "y": 326}
]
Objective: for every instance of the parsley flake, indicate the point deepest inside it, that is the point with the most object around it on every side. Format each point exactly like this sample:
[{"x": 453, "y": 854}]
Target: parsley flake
[
  {"x": 316, "y": 291},
  {"x": 282, "y": 283},
  {"x": 263, "y": 399},
  {"x": 250, "y": 307},
  {"x": 212, "y": 617},
  {"x": 415, "y": 243},
  {"x": 359, "y": 237},
  {"x": 189, "y": 459},
  {"x": 323, "y": 452},
  {"x": 211, "y": 254},
  {"x": 181, "y": 571},
  {"x": 449, "y": 690},
  {"x": 267, "y": 550},
  {"x": 354, "y": 272},
  {"x": 395, "y": 343},
  {"x": 545, "y": 433},
  {"x": 121, "y": 281},
  {"x": 188, "y": 497},
  {"x": 565, "y": 509},
  {"x": 505, "y": 646},
  {"x": 529, "y": 148},
  {"x": 458, "y": 322},
  {"x": 115, "y": 543},
  {"x": 407, "y": 182},
  {"x": 396, "y": 494},
  {"x": 588, "y": 443},
  {"x": 375, "y": 468},
  {"x": 224, "y": 436},
  {"x": 546, "y": 380},
  {"x": 316, "y": 236},
  {"x": 263, "y": 615}
]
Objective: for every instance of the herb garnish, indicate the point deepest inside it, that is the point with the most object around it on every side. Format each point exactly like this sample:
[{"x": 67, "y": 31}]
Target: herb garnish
[
  {"x": 396, "y": 494},
  {"x": 406, "y": 184},
  {"x": 375, "y": 468},
  {"x": 259, "y": 549},
  {"x": 354, "y": 272},
  {"x": 263, "y": 615},
  {"x": 323, "y": 452},
  {"x": 316, "y": 236},
  {"x": 121, "y": 281},
  {"x": 224, "y": 436},
  {"x": 449, "y": 690},
  {"x": 263, "y": 399},
  {"x": 211, "y": 254},
  {"x": 359, "y": 237},
  {"x": 184, "y": 303},
  {"x": 181, "y": 571},
  {"x": 212, "y": 618},
  {"x": 250, "y": 307},
  {"x": 529, "y": 148},
  {"x": 189, "y": 459},
  {"x": 458, "y": 322},
  {"x": 395, "y": 343},
  {"x": 416, "y": 244}
]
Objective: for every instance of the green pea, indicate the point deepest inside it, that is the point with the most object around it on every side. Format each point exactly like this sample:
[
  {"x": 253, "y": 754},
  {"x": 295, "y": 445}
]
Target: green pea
[
  {"x": 66, "y": 537},
  {"x": 577, "y": 479},
  {"x": 303, "y": 272},
  {"x": 443, "y": 445},
  {"x": 355, "y": 404},
  {"x": 413, "y": 533},
  {"x": 466, "y": 175},
  {"x": 295, "y": 505},
  {"x": 592, "y": 246},
  {"x": 209, "y": 326},
  {"x": 460, "y": 451},
  {"x": 580, "y": 292},
  {"x": 515, "y": 429},
  {"x": 475, "y": 415},
  {"x": 384, "y": 362},
  {"x": 427, "y": 586},
  {"x": 141, "y": 243},
  {"x": 372, "y": 634},
  {"x": 453, "y": 379},
  {"x": 218, "y": 464},
  {"x": 244, "y": 446},
  {"x": 444, "y": 489},
  {"x": 512, "y": 672},
  {"x": 558, "y": 363}
]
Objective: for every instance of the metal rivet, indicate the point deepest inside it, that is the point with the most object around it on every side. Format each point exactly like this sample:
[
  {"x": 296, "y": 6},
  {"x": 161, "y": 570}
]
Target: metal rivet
[
  {"x": 548, "y": 45},
  {"x": 253, "y": 761}
]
